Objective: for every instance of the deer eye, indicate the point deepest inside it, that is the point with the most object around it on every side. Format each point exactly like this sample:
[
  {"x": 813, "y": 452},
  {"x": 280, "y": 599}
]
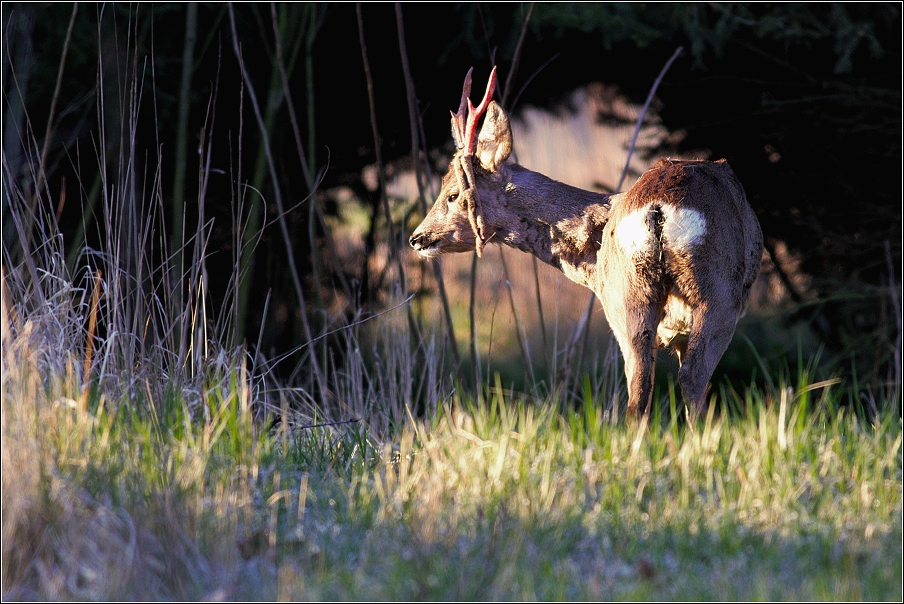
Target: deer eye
[{"x": 452, "y": 198}]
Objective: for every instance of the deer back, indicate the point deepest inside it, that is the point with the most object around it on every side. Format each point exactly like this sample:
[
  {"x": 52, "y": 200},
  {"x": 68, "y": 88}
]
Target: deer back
[{"x": 685, "y": 228}]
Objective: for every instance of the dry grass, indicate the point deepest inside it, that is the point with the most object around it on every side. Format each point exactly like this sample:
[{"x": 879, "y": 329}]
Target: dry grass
[{"x": 506, "y": 499}]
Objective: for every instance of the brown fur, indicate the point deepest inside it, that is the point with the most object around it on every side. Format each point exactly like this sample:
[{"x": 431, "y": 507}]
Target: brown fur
[{"x": 672, "y": 260}]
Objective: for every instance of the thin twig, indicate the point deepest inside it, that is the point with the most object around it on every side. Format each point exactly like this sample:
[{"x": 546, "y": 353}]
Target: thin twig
[
  {"x": 304, "y": 345},
  {"x": 290, "y": 105},
  {"x": 769, "y": 246},
  {"x": 472, "y": 340},
  {"x": 53, "y": 102},
  {"x": 394, "y": 251},
  {"x": 531, "y": 79},
  {"x": 519, "y": 325},
  {"x": 516, "y": 57},
  {"x": 542, "y": 319},
  {"x": 188, "y": 49},
  {"x": 472, "y": 316},
  {"x": 378, "y": 151},
  {"x": 415, "y": 156},
  {"x": 290, "y": 254},
  {"x": 508, "y": 82},
  {"x": 588, "y": 311},
  {"x": 311, "y": 184},
  {"x": 643, "y": 113}
]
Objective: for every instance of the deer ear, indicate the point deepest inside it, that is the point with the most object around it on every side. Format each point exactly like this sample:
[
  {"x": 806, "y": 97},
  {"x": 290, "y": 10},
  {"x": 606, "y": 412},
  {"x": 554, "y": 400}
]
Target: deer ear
[{"x": 494, "y": 144}]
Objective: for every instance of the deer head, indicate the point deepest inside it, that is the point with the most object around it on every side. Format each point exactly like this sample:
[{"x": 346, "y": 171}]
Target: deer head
[{"x": 458, "y": 220}]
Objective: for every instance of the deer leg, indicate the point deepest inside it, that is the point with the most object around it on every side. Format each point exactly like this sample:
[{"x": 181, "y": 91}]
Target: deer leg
[
  {"x": 634, "y": 306},
  {"x": 710, "y": 336},
  {"x": 638, "y": 346}
]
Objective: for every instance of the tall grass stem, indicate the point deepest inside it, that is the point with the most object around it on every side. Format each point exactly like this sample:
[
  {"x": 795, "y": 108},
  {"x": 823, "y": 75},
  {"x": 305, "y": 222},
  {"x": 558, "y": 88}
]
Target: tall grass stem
[
  {"x": 413, "y": 118},
  {"x": 287, "y": 240}
]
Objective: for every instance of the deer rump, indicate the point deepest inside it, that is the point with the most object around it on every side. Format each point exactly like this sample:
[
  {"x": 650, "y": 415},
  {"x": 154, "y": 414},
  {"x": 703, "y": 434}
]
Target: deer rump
[{"x": 678, "y": 256}]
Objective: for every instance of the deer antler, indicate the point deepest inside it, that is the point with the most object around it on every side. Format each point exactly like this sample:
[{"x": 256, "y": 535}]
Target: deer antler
[
  {"x": 464, "y": 127},
  {"x": 464, "y": 131}
]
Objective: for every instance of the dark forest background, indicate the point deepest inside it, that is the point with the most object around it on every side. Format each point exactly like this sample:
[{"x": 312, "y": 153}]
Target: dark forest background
[{"x": 804, "y": 100}]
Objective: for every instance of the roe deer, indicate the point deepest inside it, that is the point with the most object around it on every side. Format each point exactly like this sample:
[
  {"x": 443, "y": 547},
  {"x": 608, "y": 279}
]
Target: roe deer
[{"x": 672, "y": 259}]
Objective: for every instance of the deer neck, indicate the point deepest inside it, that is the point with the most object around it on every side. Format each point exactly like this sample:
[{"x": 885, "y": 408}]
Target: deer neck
[{"x": 559, "y": 224}]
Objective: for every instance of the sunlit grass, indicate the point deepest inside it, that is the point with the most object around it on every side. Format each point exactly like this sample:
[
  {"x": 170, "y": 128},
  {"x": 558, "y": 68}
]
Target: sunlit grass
[{"x": 796, "y": 498}]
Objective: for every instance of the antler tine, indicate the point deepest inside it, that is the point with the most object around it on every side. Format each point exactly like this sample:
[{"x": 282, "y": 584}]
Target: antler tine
[
  {"x": 491, "y": 88},
  {"x": 465, "y": 93},
  {"x": 474, "y": 113},
  {"x": 458, "y": 119}
]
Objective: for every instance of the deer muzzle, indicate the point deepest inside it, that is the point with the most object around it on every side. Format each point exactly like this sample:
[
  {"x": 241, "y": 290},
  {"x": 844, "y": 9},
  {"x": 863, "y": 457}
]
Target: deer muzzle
[{"x": 424, "y": 245}]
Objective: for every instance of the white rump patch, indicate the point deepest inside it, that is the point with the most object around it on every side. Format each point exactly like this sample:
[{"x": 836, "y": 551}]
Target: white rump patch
[
  {"x": 683, "y": 227},
  {"x": 633, "y": 233}
]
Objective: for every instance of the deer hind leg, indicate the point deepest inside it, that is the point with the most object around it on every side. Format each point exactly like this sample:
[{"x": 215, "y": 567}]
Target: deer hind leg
[
  {"x": 710, "y": 336},
  {"x": 635, "y": 331}
]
